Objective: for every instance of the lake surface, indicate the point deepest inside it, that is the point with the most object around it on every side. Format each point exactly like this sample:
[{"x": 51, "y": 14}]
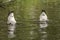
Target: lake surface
[{"x": 27, "y": 16}]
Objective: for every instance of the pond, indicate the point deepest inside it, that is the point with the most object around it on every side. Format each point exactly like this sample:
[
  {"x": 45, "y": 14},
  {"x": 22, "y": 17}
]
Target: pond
[{"x": 27, "y": 14}]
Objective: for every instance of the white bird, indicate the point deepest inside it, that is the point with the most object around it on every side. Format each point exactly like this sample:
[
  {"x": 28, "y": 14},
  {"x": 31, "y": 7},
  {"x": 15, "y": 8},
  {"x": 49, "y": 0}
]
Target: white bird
[
  {"x": 43, "y": 17},
  {"x": 11, "y": 22},
  {"x": 11, "y": 19},
  {"x": 43, "y": 20}
]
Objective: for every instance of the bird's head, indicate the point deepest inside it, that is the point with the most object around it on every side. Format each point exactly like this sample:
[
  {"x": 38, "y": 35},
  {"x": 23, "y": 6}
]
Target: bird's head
[{"x": 11, "y": 13}]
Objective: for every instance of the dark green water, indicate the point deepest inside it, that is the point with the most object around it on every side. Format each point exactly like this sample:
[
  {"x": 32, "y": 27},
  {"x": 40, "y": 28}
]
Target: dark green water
[{"x": 27, "y": 14}]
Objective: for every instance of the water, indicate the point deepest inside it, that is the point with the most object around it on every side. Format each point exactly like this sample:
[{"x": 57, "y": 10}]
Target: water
[
  {"x": 43, "y": 34},
  {"x": 11, "y": 31},
  {"x": 52, "y": 10}
]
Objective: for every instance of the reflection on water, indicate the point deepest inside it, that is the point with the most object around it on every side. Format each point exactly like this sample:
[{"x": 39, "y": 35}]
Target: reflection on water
[
  {"x": 11, "y": 29},
  {"x": 43, "y": 25},
  {"x": 43, "y": 33},
  {"x": 31, "y": 33}
]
